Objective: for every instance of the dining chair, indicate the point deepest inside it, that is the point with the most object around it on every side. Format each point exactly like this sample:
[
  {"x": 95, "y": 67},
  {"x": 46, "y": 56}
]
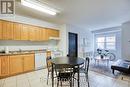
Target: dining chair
[
  {"x": 84, "y": 69},
  {"x": 64, "y": 73},
  {"x": 49, "y": 67}
]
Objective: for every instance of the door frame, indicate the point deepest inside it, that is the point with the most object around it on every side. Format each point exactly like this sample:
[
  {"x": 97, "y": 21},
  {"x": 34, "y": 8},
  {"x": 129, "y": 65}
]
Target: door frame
[{"x": 76, "y": 42}]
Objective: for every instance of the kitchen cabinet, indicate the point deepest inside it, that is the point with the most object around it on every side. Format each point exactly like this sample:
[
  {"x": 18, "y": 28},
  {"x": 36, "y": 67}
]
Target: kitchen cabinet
[
  {"x": 4, "y": 64},
  {"x": 1, "y": 30},
  {"x": 34, "y": 33},
  {"x": 28, "y": 62},
  {"x": 16, "y": 64},
  {"x": 52, "y": 33},
  {"x": 0, "y": 66},
  {"x": 31, "y": 33},
  {"x": 17, "y": 31},
  {"x": 7, "y": 30},
  {"x": 37, "y": 33},
  {"x": 44, "y": 34},
  {"x": 25, "y": 32}
]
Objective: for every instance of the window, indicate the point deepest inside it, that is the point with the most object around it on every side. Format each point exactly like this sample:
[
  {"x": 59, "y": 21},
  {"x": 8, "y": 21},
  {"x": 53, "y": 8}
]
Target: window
[
  {"x": 100, "y": 42},
  {"x": 105, "y": 42}
]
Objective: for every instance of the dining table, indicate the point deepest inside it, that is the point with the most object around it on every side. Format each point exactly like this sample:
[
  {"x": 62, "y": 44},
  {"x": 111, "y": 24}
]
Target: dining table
[{"x": 73, "y": 61}]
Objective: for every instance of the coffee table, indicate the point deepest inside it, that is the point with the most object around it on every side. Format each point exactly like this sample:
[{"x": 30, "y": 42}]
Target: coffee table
[{"x": 98, "y": 59}]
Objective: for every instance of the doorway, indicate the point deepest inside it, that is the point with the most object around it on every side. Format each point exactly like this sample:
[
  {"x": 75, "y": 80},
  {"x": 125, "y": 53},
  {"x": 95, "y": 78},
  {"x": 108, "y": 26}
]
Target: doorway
[{"x": 73, "y": 44}]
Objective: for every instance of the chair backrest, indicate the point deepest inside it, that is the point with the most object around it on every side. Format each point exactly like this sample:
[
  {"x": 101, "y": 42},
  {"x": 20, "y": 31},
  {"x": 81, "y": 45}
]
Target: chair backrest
[
  {"x": 48, "y": 63},
  {"x": 86, "y": 64}
]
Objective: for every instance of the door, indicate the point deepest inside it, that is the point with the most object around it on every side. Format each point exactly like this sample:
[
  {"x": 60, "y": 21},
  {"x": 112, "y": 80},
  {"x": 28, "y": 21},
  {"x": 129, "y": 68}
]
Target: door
[{"x": 73, "y": 44}]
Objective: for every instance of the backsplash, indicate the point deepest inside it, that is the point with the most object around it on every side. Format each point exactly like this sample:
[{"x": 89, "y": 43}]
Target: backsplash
[{"x": 28, "y": 45}]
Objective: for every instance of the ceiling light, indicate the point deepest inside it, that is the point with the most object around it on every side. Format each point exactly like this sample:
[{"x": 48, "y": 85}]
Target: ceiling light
[{"x": 39, "y": 6}]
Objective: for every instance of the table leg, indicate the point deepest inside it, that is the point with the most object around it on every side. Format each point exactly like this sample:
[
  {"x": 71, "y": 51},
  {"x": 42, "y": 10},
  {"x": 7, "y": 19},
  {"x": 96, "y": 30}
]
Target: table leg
[
  {"x": 78, "y": 78},
  {"x": 107, "y": 62},
  {"x": 52, "y": 74}
]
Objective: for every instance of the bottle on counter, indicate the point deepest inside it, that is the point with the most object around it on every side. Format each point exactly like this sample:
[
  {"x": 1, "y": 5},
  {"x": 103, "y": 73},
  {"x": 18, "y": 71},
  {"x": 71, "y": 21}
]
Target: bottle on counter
[{"x": 6, "y": 50}]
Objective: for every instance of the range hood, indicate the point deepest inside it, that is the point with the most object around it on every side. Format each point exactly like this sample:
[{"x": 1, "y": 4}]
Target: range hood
[{"x": 54, "y": 38}]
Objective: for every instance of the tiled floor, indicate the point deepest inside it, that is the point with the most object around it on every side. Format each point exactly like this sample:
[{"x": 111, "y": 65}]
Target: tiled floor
[{"x": 33, "y": 79}]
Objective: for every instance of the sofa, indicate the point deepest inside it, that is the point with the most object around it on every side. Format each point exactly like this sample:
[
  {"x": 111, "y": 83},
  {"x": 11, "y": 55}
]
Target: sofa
[{"x": 122, "y": 66}]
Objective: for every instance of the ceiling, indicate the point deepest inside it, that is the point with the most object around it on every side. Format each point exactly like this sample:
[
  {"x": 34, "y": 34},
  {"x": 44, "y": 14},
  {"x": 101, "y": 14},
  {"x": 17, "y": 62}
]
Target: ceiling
[{"x": 88, "y": 14}]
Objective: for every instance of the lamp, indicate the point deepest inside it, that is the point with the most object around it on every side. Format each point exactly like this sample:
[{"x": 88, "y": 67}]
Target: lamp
[{"x": 39, "y": 6}]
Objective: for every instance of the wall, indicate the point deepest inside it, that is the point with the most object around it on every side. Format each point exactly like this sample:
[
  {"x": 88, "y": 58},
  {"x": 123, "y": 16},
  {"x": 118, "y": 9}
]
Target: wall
[
  {"x": 82, "y": 33},
  {"x": 63, "y": 40},
  {"x": 126, "y": 40},
  {"x": 28, "y": 45}
]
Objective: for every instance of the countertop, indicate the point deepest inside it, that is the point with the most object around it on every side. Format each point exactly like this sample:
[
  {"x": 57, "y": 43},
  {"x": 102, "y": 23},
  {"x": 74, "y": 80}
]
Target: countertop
[{"x": 22, "y": 52}]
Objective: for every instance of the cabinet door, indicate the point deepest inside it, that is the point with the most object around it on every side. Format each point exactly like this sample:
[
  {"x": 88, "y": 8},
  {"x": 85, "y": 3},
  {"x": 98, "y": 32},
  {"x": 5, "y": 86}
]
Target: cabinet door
[
  {"x": 56, "y": 33},
  {"x": 0, "y": 66},
  {"x": 52, "y": 33},
  {"x": 28, "y": 62},
  {"x": 0, "y": 29},
  {"x": 25, "y": 32},
  {"x": 38, "y": 33},
  {"x": 17, "y": 31},
  {"x": 32, "y": 33},
  {"x": 7, "y": 30},
  {"x": 4, "y": 61},
  {"x": 44, "y": 34},
  {"x": 16, "y": 64}
]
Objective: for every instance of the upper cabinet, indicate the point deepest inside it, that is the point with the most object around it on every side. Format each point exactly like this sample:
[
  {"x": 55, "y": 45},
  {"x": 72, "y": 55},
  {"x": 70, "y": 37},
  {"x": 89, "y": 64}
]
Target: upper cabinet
[
  {"x": 25, "y": 32},
  {"x": 7, "y": 30},
  {"x": 0, "y": 30},
  {"x": 52, "y": 33},
  {"x": 43, "y": 34},
  {"x": 18, "y": 31}
]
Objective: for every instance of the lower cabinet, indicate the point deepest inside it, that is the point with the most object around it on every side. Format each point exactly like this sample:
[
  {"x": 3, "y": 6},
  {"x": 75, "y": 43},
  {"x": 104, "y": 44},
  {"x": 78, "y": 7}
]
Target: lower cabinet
[
  {"x": 4, "y": 65},
  {"x": 16, "y": 64},
  {"x": 28, "y": 62}
]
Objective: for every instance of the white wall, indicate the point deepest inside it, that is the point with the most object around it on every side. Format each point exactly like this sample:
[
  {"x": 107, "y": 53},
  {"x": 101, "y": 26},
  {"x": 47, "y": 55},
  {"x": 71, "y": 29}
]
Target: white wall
[
  {"x": 63, "y": 40},
  {"x": 126, "y": 40},
  {"x": 28, "y": 45},
  {"x": 82, "y": 33}
]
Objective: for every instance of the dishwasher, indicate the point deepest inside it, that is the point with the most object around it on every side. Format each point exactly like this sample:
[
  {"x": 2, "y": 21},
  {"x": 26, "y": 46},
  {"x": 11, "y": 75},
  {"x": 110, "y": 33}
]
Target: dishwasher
[{"x": 40, "y": 61}]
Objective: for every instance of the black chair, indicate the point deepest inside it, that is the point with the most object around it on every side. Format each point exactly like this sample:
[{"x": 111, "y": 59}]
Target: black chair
[
  {"x": 84, "y": 69},
  {"x": 64, "y": 73},
  {"x": 49, "y": 67}
]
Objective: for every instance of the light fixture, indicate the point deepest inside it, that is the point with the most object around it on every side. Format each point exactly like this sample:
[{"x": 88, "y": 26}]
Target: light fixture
[{"x": 39, "y": 6}]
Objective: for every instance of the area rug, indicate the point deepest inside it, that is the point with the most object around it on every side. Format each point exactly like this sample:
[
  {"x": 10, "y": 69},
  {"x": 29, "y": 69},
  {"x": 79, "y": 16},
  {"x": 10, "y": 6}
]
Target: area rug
[{"x": 103, "y": 68}]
